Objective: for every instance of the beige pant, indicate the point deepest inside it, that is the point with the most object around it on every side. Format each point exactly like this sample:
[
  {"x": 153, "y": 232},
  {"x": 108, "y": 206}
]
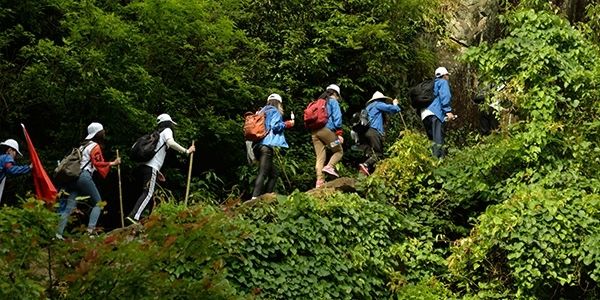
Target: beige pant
[{"x": 322, "y": 139}]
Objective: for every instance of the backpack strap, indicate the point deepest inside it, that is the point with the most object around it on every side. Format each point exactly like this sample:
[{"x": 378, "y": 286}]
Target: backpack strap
[
  {"x": 164, "y": 144},
  {"x": 83, "y": 149}
]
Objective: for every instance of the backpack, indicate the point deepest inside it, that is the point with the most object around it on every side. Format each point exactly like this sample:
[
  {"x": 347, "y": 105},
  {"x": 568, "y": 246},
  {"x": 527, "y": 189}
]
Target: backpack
[
  {"x": 315, "y": 114},
  {"x": 69, "y": 167},
  {"x": 255, "y": 127},
  {"x": 143, "y": 148},
  {"x": 422, "y": 94}
]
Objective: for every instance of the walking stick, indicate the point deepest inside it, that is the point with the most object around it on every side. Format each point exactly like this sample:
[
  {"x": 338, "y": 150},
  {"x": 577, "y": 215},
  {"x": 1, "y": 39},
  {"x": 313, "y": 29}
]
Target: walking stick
[
  {"x": 187, "y": 188},
  {"x": 402, "y": 117},
  {"x": 120, "y": 191}
]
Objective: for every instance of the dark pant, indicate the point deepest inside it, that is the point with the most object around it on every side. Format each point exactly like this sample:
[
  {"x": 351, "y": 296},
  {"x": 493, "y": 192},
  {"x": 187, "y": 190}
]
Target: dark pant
[
  {"x": 267, "y": 174},
  {"x": 148, "y": 176},
  {"x": 375, "y": 141},
  {"x": 435, "y": 132}
]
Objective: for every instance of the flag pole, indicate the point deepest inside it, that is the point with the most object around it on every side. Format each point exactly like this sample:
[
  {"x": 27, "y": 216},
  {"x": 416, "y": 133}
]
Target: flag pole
[
  {"x": 187, "y": 188},
  {"x": 120, "y": 191}
]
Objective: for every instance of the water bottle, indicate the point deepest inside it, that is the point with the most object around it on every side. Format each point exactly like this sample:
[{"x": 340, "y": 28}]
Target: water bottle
[
  {"x": 292, "y": 115},
  {"x": 334, "y": 143}
]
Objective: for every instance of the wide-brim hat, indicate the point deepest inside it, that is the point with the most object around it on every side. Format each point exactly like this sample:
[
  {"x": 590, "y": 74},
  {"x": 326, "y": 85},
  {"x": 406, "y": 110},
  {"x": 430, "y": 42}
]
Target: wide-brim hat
[
  {"x": 12, "y": 144},
  {"x": 164, "y": 117},
  {"x": 275, "y": 97},
  {"x": 93, "y": 129},
  {"x": 378, "y": 95}
]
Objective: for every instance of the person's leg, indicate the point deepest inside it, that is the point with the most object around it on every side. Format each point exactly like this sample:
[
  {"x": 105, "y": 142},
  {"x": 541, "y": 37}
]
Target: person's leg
[
  {"x": 326, "y": 136},
  {"x": 270, "y": 185},
  {"x": 264, "y": 168},
  {"x": 70, "y": 205},
  {"x": 148, "y": 175},
  {"x": 320, "y": 154},
  {"x": 427, "y": 123},
  {"x": 88, "y": 187},
  {"x": 375, "y": 141},
  {"x": 438, "y": 138}
]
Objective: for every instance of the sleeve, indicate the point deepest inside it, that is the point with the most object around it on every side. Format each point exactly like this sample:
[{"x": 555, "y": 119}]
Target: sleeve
[
  {"x": 388, "y": 108},
  {"x": 276, "y": 122},
  {"x": 171, "y": 143},
  {"x": 12, "y": 169},
  {"x": 445, "y": 96},
  {"x": 98, "y": 161},
  {"x": 336, "y": 115}
]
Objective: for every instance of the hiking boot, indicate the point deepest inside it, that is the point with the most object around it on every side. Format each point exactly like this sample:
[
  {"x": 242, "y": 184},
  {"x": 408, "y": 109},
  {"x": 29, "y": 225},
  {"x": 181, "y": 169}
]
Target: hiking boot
[
  {"x": 59, "y": 237},
  {"x": 320, "y": 183},
  {"x": 331, "y": 171},
  {"x": 364, "y": 169}
]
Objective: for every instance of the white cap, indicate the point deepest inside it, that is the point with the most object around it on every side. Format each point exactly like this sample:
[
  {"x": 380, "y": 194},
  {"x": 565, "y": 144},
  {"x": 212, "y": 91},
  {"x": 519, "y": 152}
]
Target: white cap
[
  {"x": 275, "y": 97},
  {"x": 378, "y": 95},
  {"x": 12, "y": 144},
  {"x": 441, "y": 71},
  {"x": 93, "y": 128},
  {"x": 164, "y": 117},
  {"x": 334, "y": 87}
]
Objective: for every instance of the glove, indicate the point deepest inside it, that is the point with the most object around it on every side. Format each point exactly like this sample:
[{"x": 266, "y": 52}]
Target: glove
[{"x": 339, "y": 132}]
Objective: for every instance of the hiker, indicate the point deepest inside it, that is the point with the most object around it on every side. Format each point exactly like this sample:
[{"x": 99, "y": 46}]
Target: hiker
[
  {"x": 8, "y": 165},
  {"x": 376, "y": 106},
  {"x": 438, "y": 112},
  {"x": 149, "y": 171},
  {"x": 264, "y": 149},
  {"x": 92, "y": 160},
  {"x": 329, "y": 137}
]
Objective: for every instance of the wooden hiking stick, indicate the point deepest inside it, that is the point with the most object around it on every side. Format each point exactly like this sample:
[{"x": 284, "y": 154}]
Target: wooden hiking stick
[
  {"x": 120, "y": 191},
  {"x": 402, "y": 117},
  {"x": 189, "y": 178}
]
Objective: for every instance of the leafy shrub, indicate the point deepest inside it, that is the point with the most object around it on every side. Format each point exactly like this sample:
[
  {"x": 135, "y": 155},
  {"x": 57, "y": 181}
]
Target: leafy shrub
[
  {"x": 336, "y": 247},
  {"x": 531, "y": 245}
]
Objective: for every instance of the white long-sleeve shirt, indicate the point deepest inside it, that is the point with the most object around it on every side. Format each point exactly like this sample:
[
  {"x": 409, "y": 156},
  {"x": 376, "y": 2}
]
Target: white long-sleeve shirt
[{"x": 165, "y": 141}]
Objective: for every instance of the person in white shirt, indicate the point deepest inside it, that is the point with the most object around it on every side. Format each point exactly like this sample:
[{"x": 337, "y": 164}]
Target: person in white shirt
[{"x": 150, "y": 171}]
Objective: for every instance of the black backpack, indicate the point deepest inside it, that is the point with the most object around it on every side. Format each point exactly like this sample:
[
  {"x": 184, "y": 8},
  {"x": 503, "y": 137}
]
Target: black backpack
[
  {"x": 421, "y": 95},
  {"x": 143, "y": 148}
]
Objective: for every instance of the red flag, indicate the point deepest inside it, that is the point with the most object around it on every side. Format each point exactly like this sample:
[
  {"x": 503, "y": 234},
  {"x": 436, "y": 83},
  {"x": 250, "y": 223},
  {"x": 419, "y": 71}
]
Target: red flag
[{"x": 44, "y": 188}]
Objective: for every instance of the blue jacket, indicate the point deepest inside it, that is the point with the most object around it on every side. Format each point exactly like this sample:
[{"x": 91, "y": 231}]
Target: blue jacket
[
  {"x": 375, "y": 110},
  {"x": 275, "y": 126},
  {"x": 9, "y": 167},
  {"x": 442, "y": 99},
  {"x": 334, "y": 112}
]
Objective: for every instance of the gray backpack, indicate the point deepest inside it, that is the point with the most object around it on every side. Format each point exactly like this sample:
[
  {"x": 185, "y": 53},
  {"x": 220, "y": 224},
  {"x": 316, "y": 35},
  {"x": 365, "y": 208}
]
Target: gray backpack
[{"x": 69, "y": 167}]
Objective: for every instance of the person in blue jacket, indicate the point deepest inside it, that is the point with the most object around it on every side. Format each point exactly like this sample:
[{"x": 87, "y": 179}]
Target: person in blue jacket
[
  {"x": 8, "y": 165},
  {"x": 264, "y": 149},
  {"x": 329, "y": 137},
  {"x": 376, "y": 106},
  {"x": 438, "y": 112}
]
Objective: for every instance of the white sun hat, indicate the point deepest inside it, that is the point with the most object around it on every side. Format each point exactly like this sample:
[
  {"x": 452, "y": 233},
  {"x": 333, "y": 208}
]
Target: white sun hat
[
  {"x": 334, "y": 87},
  {"x": 92, "y": 129},
  {"x": 441, "y": 71},
  {"x": 378, "y": 95},
  {"x": 275, "y": 97},
  {"x": 164, "y": 117},
  {"x": 12, "y": 144}
]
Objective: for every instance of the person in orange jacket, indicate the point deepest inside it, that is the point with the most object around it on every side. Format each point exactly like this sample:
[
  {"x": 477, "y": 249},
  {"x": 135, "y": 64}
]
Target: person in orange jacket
[{"x": 92, "y": 160}]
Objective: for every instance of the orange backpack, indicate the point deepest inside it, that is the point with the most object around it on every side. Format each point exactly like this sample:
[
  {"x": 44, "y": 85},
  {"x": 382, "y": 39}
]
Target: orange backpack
[{"x": 255, "y": 128}]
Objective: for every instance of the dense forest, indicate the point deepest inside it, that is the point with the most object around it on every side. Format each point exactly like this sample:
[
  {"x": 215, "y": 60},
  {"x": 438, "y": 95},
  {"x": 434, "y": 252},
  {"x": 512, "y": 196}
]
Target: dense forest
[{"x": 511, "y": 214}]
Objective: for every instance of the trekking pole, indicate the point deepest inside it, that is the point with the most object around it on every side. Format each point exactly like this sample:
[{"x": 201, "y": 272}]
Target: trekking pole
[
  {"x": 402, "y": 118},
  {"x": 120, "y": 191},
  {"x": 189, "y": 178}
]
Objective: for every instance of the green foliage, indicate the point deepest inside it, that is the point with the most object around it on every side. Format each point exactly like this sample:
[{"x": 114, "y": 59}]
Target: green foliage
[
  {"x": 531, "y": 245},
  {"x": 25, "y": 238},
  {"x": 430, "y": 289},
  {"x": 337, "y": 247}
]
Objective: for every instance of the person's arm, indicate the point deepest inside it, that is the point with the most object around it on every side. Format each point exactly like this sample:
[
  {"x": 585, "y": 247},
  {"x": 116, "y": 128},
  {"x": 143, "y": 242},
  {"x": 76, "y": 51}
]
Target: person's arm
[
  {"x": 276, "y": 122},
  {"x": 336, "y": 117},
  {"x": 388, "y": 108},
  {"x": 445, "y": 96},
  {"x": 171, "y": 143},
  {"x": 97, "y": 160},
  {"x": 13, "y": 169}
]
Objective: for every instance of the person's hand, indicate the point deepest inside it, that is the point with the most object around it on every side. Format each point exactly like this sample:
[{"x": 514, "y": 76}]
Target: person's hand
[
  {"x": 31, "y": 166},
  {"x": 116, "y": 161},
  {"x": 395, "y": 102},
  {"x": 161, "y": 177},
  {"x": 191, "y": 149},
  {"x": 341, "y": 139},
  {"x": 451, "y": 116}
]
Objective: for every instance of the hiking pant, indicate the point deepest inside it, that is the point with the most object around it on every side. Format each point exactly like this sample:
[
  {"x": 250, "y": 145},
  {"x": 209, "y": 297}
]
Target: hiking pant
[
  {"x": 435, "y": 132},
  {"x": 148, "y": 176},
  {"x": 322, "y": 139},
  {"x": 267, "y": 173},
  {"x": 84, "y": 185},
  {"x": 376, "y": 142}
]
